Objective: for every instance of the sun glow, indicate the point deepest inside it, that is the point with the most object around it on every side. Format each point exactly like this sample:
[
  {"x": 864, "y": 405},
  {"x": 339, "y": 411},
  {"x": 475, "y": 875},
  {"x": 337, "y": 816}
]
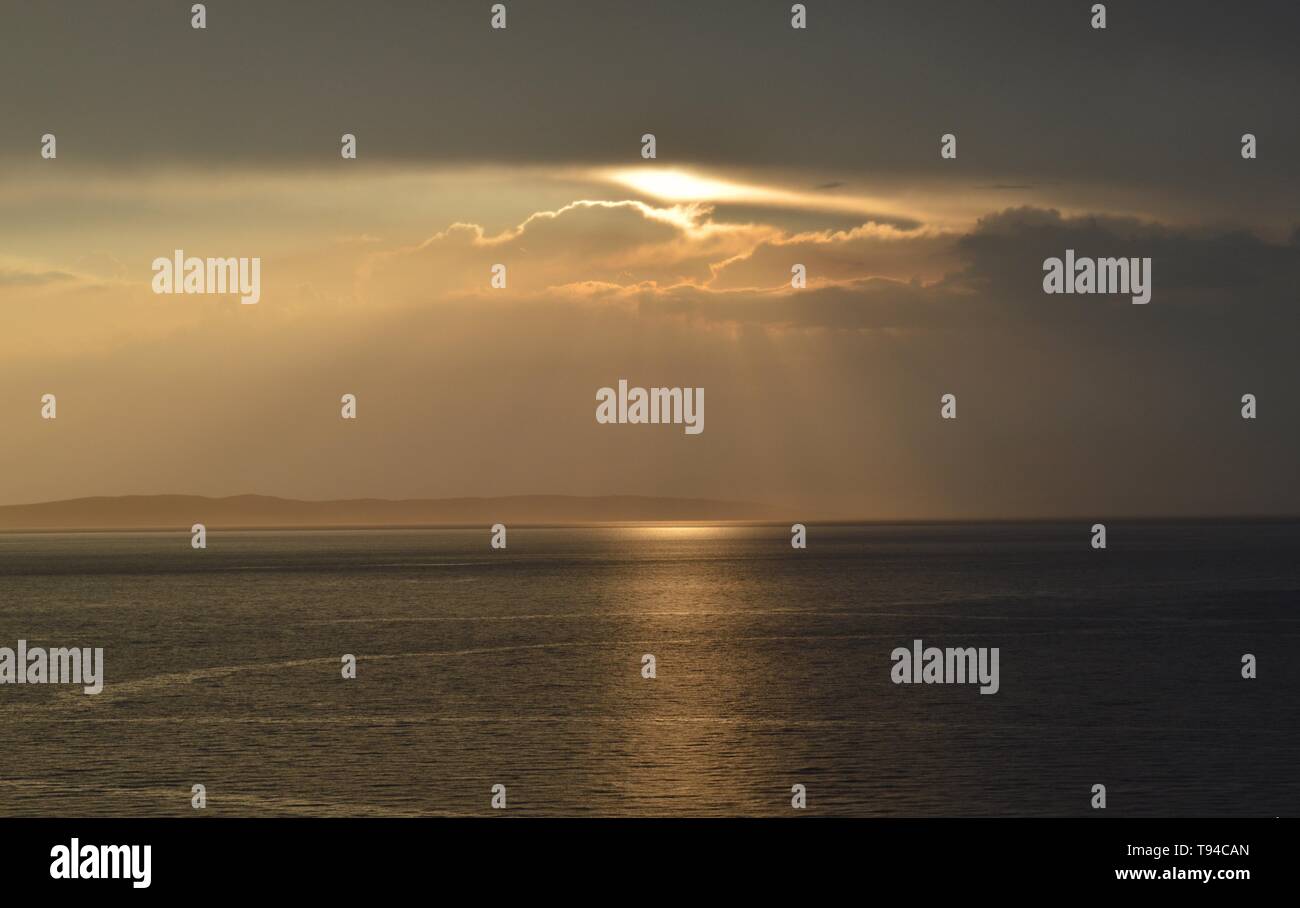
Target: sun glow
[
  {"x": 688, "y": 187},
  {"x": 683, "y": 186}
]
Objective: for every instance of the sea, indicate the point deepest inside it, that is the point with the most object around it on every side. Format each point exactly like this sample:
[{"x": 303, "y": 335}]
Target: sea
[{"x": 520, "y": 674}]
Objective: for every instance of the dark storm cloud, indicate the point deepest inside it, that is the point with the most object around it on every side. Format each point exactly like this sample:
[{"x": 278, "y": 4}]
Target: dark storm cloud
[
  {"x": 1161, "y": 95},
  {"x": 1006, "y": 252}
]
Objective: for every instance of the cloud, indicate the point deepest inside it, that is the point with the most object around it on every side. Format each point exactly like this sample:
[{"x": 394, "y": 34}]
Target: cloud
[
  {"x": 867, "y": 251},
  {"x": 609, "y": 248},
  {"x": 618, "y": 243},
  {"x": 680, "y": 261},
  {"x": 1005, "y": 251}
]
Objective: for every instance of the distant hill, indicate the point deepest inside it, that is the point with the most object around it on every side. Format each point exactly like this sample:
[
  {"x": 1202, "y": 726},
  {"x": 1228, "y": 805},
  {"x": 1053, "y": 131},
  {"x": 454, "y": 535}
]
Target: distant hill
[{"x": 182, "y": 511}]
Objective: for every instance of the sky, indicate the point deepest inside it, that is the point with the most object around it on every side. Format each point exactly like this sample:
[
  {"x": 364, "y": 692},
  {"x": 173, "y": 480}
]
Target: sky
[{"x": 774, "y": 146}]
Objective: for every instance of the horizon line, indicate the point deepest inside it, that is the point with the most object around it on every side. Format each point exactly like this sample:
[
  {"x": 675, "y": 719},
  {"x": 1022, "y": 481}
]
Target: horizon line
[{"x": 744, "y": 513}]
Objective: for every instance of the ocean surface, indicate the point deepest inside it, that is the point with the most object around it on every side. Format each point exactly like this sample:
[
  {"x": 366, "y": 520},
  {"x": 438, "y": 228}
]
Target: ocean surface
[{"x": 522, "y": 668}]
